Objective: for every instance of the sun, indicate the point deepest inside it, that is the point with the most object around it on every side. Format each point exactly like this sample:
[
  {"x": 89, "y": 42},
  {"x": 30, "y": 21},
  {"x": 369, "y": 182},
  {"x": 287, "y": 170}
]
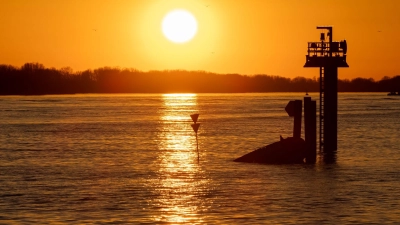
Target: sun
[{"x": 179, "y": 26}]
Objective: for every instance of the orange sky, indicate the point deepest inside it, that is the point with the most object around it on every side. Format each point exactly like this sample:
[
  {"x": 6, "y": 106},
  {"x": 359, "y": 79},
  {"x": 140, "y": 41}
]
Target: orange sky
[{"x": 240, "y": 36}]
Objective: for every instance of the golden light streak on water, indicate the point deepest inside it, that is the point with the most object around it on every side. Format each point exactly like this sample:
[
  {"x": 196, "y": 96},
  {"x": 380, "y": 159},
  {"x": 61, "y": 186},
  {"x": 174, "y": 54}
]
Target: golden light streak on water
[{"x": 181, "y": 178}]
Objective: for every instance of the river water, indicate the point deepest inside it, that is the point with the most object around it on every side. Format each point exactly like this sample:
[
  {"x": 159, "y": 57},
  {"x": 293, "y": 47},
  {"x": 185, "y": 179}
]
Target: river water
[{"x": 132, "y": 159}]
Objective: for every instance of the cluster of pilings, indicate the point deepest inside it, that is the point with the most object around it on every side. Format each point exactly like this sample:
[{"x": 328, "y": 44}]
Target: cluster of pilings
[{"x": 292, "y": 149}]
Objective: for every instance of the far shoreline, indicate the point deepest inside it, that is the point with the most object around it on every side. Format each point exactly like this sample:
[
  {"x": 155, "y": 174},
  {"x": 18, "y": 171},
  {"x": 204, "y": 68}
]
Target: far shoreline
[
  {"x": 35, "y": 79},
  {"x": 183, "y": 93}
]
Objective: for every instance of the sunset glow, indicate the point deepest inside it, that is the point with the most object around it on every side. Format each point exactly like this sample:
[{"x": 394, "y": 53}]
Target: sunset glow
[
  {"x": 199, "y": 111},
  {"x": 243, "y": 37},
  {"x": 178, "y": 156}
]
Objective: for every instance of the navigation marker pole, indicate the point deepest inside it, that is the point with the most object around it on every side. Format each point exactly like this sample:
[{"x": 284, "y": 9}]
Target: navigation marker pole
[{"x": 195, "y": 127}]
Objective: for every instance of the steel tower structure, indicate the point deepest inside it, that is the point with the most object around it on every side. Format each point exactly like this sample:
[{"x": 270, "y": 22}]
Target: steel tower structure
[{"x": 328, "y": 56}]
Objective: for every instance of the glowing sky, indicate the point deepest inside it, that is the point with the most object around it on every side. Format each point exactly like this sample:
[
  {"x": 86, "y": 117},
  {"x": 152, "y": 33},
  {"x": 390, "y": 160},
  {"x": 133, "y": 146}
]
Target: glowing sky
[{"x": 240, "y": 36}]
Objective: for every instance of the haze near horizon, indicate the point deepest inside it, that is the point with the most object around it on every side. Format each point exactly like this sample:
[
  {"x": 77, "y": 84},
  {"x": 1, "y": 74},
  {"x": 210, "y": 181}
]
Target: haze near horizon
[{"x": 245, "y": 37}]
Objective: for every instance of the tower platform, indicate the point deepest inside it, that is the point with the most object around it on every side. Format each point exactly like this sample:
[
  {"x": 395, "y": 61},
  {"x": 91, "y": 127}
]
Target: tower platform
[{"x": 325, "y": 61}]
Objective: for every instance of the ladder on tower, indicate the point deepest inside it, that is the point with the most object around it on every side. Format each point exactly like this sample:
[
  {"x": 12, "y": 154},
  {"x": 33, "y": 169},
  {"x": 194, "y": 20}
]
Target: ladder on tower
[{"x": 321, "y": 108}]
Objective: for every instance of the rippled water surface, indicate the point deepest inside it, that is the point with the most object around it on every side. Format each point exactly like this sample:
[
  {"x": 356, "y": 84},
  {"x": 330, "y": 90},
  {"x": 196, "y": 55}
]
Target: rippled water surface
[{"x": 99, "y": 159}]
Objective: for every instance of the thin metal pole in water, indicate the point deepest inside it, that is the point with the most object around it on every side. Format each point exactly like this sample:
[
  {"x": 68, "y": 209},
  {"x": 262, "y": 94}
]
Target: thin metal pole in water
[
  {"x": 195, "y": 127},
  {"x": 198, "y": 154}
]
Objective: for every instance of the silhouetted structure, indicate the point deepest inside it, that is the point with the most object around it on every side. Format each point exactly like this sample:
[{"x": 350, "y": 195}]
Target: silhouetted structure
[
  {"x": 294, "y": 109},
  {"x": 327, "y": 56},
  {"x": 286, "y": 151},
  {"x": 292, "y": 149},
  {"x": 310, "y": 128},
  {"x": 195, "y": 127}
]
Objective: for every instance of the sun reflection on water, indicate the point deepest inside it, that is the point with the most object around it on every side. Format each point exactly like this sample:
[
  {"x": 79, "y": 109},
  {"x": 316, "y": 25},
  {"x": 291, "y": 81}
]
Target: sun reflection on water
[{"x": 181, "y": 184}]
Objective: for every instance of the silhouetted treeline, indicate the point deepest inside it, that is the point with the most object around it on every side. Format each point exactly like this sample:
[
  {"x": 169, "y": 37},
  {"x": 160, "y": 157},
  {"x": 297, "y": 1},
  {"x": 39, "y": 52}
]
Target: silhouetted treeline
[{"x": 34, "y": 78}]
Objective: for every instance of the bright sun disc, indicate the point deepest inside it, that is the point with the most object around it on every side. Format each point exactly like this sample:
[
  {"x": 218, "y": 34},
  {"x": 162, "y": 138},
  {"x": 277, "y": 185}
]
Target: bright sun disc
[{"x": 179, "y": 26}]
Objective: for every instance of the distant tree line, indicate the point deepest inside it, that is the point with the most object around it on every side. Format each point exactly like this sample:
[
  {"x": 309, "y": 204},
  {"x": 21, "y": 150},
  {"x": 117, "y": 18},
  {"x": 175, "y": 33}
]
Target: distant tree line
[{"x": 35, "y": 79}]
